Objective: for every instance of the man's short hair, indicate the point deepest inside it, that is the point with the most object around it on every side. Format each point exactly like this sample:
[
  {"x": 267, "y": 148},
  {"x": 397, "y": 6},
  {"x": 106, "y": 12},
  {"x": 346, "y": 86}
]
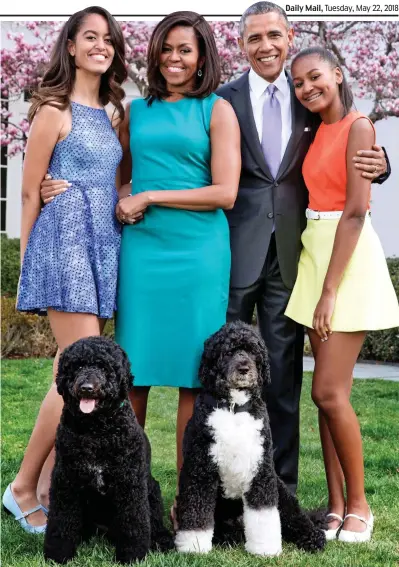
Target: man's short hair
[{"x": 262, "y": 8}]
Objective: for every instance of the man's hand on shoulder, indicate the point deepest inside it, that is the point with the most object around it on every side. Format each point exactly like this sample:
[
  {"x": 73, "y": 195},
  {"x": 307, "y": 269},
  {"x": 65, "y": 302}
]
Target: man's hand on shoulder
[{"x": 373, "y": 163}]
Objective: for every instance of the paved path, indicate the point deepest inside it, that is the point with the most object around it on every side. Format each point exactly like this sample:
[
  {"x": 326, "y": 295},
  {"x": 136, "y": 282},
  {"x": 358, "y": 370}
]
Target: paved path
[{"x": 364, "y": 369}]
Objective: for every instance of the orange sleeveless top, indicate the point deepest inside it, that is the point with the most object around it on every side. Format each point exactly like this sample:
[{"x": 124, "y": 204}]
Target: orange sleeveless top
[{"x": 324, "y": 167}]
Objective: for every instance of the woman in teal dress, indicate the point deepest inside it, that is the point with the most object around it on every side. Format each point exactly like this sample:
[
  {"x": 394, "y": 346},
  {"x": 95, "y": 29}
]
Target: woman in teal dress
[{"x": 174, "y": 263}]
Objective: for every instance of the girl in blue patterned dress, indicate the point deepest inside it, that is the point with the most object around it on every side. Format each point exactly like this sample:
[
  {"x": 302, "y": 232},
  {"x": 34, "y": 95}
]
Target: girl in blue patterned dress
[
  {"x": 174, "y": 267},
  {"x": 70, "y": 248}
]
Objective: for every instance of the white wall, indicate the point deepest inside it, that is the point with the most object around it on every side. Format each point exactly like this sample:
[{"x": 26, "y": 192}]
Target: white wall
[
  {"x": 14, "y": 177},
  {"x": 385, "y": 197}
]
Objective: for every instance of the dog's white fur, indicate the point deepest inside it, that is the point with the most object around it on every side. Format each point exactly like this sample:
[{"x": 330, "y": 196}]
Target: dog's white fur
[
  {"x": 262, "y": 530},
  {"x": 194, "y": 541},
  {"x": 239, "y": 397},
  {"x": 237, "y": 450}
]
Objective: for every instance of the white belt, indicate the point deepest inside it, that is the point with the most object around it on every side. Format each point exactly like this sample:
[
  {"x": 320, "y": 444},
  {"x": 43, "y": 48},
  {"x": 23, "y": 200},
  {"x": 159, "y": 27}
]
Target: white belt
[
  {"x": 327, "y": 215},
  {"x": 317, "y": 215}
]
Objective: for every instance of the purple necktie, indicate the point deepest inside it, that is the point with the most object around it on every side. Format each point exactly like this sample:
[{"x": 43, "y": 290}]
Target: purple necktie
[{"x": 271, "y": 134}]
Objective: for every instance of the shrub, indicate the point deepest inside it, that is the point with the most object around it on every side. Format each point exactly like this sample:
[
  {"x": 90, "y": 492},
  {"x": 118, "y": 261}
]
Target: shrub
[
  {"x": 9, "y": 265},
  {"x": 23, "y": 334}
]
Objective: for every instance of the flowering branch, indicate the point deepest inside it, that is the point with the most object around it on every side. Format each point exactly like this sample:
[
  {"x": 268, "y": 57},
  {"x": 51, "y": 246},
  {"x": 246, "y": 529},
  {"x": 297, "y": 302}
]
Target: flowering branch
[{"x": 369, "y": 52}]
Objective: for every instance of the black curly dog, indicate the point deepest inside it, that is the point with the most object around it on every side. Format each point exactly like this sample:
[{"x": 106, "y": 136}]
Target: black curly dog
[
  {"x": 102, "y": 467},
  {"x": 228, "y": 489}
]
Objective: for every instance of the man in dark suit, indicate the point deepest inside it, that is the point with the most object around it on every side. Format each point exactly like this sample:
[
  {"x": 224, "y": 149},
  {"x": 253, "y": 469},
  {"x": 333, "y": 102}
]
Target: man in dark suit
[{"x": 269, "y": 214}]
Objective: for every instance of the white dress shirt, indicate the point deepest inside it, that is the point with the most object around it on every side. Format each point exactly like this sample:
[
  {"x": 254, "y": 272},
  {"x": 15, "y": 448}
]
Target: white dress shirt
[{"x": 257, "y": 91}]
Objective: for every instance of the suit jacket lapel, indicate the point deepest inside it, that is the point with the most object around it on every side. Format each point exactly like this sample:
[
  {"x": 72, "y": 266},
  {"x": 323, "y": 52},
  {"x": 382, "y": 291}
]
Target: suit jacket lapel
[
  {"x": 298, "y": 114},
  {"x": 241, "y": 102}
]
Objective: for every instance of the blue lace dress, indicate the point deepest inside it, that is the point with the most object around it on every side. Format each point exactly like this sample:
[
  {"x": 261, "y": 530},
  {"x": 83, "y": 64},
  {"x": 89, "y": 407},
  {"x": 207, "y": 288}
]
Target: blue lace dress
[{"x": 71, "y": 260}]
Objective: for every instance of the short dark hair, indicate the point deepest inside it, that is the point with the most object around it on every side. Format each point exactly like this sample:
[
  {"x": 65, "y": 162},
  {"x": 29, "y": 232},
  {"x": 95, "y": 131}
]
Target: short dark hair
[
  {"x": 210, "y": 79},
  {"x": 345, "y": 92},
  {"x": 262, "y": 8}
]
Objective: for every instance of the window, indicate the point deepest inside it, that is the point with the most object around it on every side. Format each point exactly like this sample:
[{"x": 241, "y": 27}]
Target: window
[{"x": 3, "y": 212}]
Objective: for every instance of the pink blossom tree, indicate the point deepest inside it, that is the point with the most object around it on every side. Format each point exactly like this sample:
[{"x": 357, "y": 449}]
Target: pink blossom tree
[{"x": 369, "y": 52}]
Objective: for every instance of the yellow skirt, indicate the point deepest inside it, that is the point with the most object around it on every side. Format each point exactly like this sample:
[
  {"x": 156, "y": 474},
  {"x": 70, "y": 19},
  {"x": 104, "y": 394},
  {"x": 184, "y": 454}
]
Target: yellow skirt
[{"x": 366, "y": 299}]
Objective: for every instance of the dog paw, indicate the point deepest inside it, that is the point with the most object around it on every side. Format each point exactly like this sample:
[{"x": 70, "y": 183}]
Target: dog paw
[
  {"x": 59, "y": 551},
  {"x": 269, "y": 549},
  {"x": 194, "y": 541},
  {"x": 128, "y": 557},
  {"x": 262, "y": 531},
  {"x": 313, "y": 541},
  {"x": 164, "y": 542}
]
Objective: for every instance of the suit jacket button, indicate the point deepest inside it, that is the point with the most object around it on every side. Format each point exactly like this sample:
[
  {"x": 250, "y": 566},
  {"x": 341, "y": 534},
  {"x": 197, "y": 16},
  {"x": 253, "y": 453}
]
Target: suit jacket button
[{"x": 270, "y": 215}]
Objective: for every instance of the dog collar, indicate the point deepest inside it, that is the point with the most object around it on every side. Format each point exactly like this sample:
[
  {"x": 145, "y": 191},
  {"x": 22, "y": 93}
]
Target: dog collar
[{"x": 224, "y": 404}]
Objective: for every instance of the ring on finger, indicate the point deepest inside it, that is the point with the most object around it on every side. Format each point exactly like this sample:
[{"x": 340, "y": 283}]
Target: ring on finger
[{"x": 375, "y": 169}]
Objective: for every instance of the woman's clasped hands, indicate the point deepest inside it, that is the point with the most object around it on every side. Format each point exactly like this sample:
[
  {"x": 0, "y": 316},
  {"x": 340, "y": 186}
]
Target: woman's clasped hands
[{"x": 131, "y": 209}]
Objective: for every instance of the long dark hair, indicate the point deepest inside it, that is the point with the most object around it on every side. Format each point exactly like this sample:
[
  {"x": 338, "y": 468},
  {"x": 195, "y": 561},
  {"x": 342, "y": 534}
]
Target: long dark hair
[
  {"x": 58, "y": 80},
  {"x": 210, "y": 79},
  {"x": 345, "y": 92}
]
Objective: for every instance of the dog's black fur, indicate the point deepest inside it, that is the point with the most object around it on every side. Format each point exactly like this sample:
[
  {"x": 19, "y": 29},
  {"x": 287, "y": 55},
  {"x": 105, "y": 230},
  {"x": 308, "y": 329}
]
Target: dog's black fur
[
  {"x": 102, "y": 468},
  {"x": 235, "y": 351}
]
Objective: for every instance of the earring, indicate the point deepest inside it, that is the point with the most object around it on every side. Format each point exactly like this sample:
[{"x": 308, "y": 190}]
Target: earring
[{"x": 199, "y": 73}]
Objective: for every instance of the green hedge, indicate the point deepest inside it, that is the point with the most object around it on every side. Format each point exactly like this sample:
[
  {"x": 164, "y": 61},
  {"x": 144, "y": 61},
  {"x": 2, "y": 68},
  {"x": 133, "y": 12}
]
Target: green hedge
[
  {"x": 384, "y": 345},
  {"x": 29, "y": 335},
  {"x": 9, "y": 265}
]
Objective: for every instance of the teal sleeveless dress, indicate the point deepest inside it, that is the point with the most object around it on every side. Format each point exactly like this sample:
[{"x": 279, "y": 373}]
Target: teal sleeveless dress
[{"x": 174, "y": 266}]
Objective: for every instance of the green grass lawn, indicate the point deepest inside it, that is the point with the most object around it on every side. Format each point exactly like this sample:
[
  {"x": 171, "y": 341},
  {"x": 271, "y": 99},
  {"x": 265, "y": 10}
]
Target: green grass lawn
[{"x": 25, "y": 382}]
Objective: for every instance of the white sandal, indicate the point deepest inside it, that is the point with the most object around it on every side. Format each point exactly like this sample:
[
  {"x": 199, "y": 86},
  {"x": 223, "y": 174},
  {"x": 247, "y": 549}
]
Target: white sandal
[
  {"x": 332, "y": 534},
  {"x": 358, "y": 537}
]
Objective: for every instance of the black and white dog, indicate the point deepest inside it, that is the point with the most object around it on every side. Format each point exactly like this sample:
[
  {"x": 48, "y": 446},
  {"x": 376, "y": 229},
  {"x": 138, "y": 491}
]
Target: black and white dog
[{"x": 228, "y": 457}]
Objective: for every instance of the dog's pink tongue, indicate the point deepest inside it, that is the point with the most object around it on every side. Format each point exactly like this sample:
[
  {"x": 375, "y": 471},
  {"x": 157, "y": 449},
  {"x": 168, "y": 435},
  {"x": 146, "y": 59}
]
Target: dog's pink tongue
[{"x": 87, "y": 406}]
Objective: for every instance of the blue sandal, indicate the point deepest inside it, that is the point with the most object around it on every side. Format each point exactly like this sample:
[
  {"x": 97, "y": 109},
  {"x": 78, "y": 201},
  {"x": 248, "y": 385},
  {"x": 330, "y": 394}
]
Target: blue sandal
[{"x": 10, "y": 505}]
